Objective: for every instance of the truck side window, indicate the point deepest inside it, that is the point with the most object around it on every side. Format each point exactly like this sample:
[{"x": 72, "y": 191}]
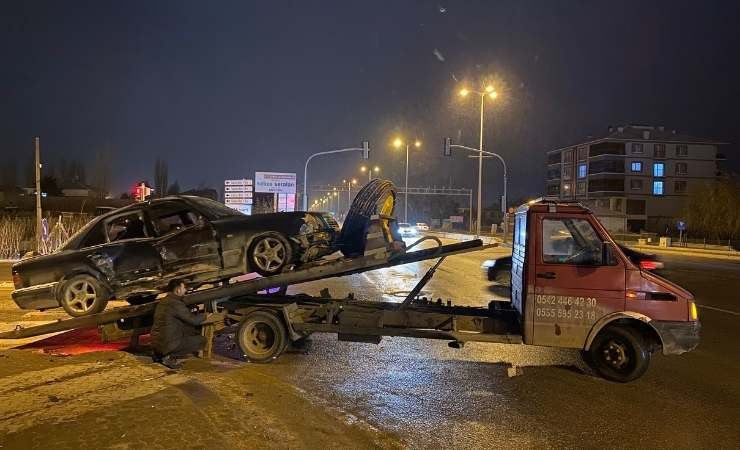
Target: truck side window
[{"x": 570, "y": 241}]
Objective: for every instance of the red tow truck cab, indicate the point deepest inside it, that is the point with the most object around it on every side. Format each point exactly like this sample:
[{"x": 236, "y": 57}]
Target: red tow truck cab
[{"x": 573, "y": 287}]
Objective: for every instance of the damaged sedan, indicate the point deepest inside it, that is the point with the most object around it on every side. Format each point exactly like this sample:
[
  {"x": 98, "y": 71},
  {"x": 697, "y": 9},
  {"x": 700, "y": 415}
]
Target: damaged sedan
[{"x": 131, "y": 253}]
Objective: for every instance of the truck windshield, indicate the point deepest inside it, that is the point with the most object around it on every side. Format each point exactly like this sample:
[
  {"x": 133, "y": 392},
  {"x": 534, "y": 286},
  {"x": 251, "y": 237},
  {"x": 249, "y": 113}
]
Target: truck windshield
[{"x": 570, "y": 241}]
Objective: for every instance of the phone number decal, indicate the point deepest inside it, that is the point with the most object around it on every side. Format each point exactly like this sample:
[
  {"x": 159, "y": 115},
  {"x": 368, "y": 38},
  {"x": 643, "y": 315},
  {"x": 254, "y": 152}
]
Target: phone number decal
[{"x": 564, "y": 307}]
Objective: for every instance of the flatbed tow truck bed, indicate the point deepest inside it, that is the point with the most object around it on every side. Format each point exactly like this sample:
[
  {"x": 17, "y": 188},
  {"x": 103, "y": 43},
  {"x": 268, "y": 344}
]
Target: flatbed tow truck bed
[{"x": 268, "y": 322}]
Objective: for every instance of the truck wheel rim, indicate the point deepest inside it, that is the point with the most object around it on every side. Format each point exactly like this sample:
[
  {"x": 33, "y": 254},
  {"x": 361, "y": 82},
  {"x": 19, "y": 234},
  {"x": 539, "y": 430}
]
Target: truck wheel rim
[
  {"x": 616, "y": 354},
  {"x": 258, "y": 338},
  {"x": 269, "y": 254},
  {"x": 80, "y": 296}
]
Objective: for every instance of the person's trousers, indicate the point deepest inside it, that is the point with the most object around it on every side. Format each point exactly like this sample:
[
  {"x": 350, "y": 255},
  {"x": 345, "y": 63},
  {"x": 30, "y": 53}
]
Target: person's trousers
[{"x": 189, "y": 345}]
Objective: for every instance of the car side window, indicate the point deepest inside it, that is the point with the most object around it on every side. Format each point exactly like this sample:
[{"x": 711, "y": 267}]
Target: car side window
[
  {"x": 570, "y": 241},
  {"x": 95, "y": 236},
  {"x": 128, "y": 226},
  {"x": 171, "y": 217}
]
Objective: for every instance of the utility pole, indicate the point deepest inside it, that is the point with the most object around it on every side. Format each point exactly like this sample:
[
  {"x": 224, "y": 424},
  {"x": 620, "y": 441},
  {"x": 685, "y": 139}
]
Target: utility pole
[{"x": 37, "y": 166}]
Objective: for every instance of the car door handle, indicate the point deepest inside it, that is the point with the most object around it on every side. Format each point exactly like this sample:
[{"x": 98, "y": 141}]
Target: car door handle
[{"x": 548, "y": 275}]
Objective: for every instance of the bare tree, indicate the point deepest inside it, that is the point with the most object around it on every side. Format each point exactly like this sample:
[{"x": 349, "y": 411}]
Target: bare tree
[
  {"x": 160, "y": 178},
  {"x": 174, "y": 188},
  {"x": 102, "y": 173},
  {"x": 713, "y": 209}
]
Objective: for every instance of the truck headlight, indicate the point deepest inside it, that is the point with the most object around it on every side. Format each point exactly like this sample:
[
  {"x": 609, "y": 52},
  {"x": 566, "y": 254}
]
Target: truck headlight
[{"x": 693, "y": 311}]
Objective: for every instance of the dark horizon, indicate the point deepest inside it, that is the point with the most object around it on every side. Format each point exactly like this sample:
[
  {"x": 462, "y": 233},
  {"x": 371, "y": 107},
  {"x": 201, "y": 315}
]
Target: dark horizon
[{"x": 223, "y": 92}]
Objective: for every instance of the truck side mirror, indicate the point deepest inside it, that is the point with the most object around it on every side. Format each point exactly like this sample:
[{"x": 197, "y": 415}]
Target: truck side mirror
[{"x": 607, "y": 254}]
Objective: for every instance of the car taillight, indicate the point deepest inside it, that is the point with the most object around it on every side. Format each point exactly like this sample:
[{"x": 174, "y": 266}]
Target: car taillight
[
  {"x": 648, "y": 265},
  {"x": 17, "y": 280}
]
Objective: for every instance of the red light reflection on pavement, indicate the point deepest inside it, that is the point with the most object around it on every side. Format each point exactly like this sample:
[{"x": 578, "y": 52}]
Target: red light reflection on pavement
[{"x": 77, "y": 342}]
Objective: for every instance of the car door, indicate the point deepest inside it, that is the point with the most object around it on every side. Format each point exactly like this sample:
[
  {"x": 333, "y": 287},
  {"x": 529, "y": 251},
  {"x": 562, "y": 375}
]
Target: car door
[
  {"x": 578, "y": 280},
  {"x": 187, "y": 243},
  {"x": 120, "y": 247}
]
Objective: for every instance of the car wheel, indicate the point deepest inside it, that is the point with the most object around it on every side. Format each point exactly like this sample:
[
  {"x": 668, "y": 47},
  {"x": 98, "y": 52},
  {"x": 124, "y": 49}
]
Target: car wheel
[
  {"x": 262, "y": 336},
  {"x": 619, "y": 353},
  {"x": 377, "y": 197},
  {"x": 83, "y": 295},
  {"x": 141, "y": 299},
  {"x": 269, "y": 254}
]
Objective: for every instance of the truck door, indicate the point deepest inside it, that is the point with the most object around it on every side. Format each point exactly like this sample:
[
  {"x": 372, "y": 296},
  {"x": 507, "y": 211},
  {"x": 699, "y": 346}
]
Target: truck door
[{"x": 578, "y": 280}]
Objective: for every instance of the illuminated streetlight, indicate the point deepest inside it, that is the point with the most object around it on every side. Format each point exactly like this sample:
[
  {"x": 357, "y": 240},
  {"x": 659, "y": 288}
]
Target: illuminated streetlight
[
  {"x": 490, "y": 92},
  {"x": 398, "y": 143}
]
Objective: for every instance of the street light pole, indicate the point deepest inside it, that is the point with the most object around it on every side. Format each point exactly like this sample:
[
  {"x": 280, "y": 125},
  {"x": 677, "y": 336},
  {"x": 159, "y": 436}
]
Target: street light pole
[
  {"x": 406, "y": 192},
  {"x": 365, "y": 149},
  {"x": 480, "y": 168}
]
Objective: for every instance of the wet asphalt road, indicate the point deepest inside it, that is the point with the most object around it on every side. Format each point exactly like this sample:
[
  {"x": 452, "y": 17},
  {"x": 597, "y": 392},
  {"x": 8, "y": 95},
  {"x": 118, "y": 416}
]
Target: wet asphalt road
[{"x": 435, "y": 396}]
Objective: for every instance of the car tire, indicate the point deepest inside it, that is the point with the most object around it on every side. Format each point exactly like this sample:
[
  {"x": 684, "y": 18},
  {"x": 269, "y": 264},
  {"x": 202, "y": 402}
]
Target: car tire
[
  {"x": 377, "y": 197},
  {"x": 261, "y": 336},
  {"x": 83, "y": 295},
  {"x": 269, "y": 254},
  {"x": 141, "y": 299},
  {"x": 619, "y": 353}
]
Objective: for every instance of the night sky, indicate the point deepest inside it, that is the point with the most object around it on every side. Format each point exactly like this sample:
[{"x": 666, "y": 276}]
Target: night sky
[{"x": 224, "y": 89}]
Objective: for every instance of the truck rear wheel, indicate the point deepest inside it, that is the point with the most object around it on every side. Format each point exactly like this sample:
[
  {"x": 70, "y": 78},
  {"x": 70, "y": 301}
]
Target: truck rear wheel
[
  {"x": 262, "y": 336},
  {"x": 618, "y": 353}
]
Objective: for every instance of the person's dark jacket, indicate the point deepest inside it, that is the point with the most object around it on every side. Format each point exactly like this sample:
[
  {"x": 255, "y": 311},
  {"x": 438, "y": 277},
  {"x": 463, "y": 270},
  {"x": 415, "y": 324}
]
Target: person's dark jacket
[{"x": 172, "y": 321}]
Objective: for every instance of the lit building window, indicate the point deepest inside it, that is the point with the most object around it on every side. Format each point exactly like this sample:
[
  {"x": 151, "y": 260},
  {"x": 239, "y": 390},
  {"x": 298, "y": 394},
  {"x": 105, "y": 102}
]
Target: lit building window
[
  {"x": 581, "y": 171},
  {"x": 636, "y": 166},
  {"x": 658, "y": 169},
  {"x": 657, "y": 188}
]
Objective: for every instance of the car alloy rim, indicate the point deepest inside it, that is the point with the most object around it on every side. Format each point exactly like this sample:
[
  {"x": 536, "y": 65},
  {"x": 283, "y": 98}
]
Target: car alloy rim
[
  {"x": 269, "y": 254},
  {"x": 80, "y": 296},
  {"x": 259, "y": 338}
]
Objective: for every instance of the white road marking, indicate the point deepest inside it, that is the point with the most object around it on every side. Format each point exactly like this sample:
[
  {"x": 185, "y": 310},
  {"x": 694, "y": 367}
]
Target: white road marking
[{"x": 720, "y": 310}]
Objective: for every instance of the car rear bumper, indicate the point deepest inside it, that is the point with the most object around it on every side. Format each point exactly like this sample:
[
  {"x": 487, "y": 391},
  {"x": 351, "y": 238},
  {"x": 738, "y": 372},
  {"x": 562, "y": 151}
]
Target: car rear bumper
[
  {"x": 36, "y": 297},
  {"x": 677, "y": 337}
]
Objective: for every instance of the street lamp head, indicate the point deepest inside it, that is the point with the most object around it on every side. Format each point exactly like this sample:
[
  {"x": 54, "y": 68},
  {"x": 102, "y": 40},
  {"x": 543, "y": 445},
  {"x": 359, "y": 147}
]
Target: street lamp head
[
  {"x": 489, "y": 89},
  {"x": 397, "y": 142},
  {"x": 354, "y": 181},
  {"x": 417, "y": 144},
  {"x": 344, "y": 181},
  {"x": 376, "y": 169},
  {"x": 464, "y": 92},
  {"x": 493, "y": 94},
  {"x": 363, "y": 169}
]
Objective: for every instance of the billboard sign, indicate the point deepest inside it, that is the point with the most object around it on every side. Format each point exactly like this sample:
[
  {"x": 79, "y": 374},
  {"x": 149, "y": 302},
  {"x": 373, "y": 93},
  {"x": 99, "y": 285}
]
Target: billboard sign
[{"x": 275, "y": 182}]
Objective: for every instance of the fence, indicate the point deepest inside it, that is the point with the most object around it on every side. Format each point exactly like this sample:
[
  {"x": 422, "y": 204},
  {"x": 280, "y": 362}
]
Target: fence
[
  {"x": 17, "y": 233},
  {"x": 684, "y": 242}
]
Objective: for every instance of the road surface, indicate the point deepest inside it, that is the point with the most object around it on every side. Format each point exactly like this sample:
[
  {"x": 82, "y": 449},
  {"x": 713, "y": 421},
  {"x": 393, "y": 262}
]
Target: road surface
[{"x": 430, "y": 395}]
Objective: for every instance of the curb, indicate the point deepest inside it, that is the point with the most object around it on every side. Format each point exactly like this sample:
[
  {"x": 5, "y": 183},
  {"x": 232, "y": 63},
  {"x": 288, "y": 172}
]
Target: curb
[{"x": 735, "y": 256}]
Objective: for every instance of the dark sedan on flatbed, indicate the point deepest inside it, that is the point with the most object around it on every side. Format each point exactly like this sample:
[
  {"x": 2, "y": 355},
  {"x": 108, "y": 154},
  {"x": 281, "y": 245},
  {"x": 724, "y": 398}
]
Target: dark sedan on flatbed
[{"x": 131, "y": 253}]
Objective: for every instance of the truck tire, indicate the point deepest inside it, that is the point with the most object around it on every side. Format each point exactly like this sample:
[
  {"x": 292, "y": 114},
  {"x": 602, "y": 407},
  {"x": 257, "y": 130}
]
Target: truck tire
[
  {"x": 83, "y": 295},
  {"x": 377, "y": 197},
  {"x": 262, "y": 336},
  {"x": 619, "y": 353}
]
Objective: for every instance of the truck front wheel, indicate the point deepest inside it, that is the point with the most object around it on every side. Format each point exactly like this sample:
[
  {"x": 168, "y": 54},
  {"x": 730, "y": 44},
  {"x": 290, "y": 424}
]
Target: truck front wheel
[{"x": 619, "y": 353}]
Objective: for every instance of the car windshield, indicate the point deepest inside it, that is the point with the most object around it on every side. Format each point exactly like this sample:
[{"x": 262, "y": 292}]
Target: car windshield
[{"x": 213, "y": 209}]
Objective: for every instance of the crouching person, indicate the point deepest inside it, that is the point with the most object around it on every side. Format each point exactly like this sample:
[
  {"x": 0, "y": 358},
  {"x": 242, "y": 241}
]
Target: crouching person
[{"x": 175, "y": 330}]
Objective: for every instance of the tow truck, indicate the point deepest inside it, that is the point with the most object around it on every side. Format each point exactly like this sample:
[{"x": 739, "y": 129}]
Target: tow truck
[{"x": 571, "y": 286}]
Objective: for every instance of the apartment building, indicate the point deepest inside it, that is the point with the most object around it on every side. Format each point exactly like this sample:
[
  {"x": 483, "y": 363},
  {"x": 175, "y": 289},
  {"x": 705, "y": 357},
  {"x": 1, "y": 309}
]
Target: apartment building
[{"x": 637, "y": 176}]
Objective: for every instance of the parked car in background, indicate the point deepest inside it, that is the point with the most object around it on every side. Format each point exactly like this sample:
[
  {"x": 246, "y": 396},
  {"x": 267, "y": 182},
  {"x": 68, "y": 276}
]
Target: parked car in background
[
  {"x": 499, "y": 270},
  {"x": 421, "y": 226},
  {"x": 133, "y": 252},
  {"x": 407, "y": 230}
]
